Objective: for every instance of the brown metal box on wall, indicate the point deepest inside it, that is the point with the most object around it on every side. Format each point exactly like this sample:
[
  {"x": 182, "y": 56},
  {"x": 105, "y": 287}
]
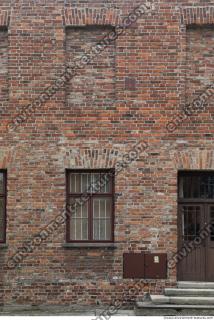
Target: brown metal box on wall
[
  {"x": 133, "y": 265},
  {"x": 144, "y": 265},
  {"x": 155, "y": 266}
]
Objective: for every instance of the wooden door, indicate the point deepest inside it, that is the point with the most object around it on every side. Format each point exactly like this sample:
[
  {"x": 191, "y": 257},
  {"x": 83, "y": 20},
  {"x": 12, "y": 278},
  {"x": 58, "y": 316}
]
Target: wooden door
[
  {"x": 192, "y": 262},
  {"x": 196, "y": 226}
]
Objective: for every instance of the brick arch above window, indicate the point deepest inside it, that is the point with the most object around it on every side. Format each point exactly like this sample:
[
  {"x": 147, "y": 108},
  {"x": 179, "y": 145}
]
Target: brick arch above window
[
  {"x": 194, "y": 159},
  {"x": 86, "y": 16},
  {"x": 197, "y": 15},
  {"x": 4, "y": 19},
  {"x": 89, "y": 158}
]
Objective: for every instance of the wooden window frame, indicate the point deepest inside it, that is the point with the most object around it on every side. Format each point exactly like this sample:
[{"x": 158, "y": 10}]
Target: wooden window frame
[
  {"x": 185, "y": 173},
  {"x": 111, "y": 194},
  {"x": 3, "y": 195}
]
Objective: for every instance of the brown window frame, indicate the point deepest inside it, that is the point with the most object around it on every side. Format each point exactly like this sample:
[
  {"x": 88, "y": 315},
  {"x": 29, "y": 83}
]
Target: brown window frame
[
  {"x": 111, "y": 194},
  {"x": 3, "y": 196},
  {"x": 193, "y": 173}
]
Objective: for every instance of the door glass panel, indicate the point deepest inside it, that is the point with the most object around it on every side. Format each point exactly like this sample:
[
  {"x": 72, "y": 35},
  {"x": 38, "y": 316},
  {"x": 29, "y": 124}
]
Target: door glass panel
[
  {"x": 195, "y": 187},
  {"x": 191, "y": 222},
  {"x": 207, "y": 187},
  {"x": 212, "y": 223},
  {"x": 198, "y": 222}
]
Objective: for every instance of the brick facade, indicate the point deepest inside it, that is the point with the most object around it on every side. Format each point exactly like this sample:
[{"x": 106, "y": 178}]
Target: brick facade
[{"x": 126, "y": 94}]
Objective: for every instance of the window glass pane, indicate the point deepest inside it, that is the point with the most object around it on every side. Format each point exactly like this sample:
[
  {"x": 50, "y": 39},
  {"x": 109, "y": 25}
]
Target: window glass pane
[
  {"x": 181, "y": 187},
  {"x": 96, "y": 230},
  {"x": 197, "y": 185},
  {"x": 2, "y": 202},
  {"x": 2, "y": 230},
  {"x": 108, "y": 230},
  {"x": 191, "y": 187},
  {"x": 102, "y": 207},
  {"x": 106, "y": 183},
  {"x": 79, "y": 229},
  {"x": 102, "y": 210},
  {"x": 90, "y": 182},
  {"x": 194, "y": 188},
  {"x": 95, "y": 182},
  {"x": 81, "y": 211},
  {"x": 85, "y": 182},
  {"x": 96, "y": 208},
  {"x": 79, "y": 221},
  {"x": 207, "y": 186},
  {"x": 1, "y": 182},
  {"x": 187, "y": 187},
  {"x": 75, "y": 183},
  {"x": 102, "y": 229}
]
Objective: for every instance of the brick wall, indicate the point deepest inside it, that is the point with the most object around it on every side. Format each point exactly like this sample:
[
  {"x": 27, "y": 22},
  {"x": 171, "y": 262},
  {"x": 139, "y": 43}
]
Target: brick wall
[
  {"x": 91, "y": 94},
  {"x": 127, "y": 94},
  {"x": 200, "y": 61},
  {"x": 4, "y": 87}
]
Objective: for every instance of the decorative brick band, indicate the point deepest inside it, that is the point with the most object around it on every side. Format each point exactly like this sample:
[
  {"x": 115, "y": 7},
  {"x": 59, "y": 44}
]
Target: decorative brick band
[
  {"x": 92, "y": 158},
  {"x": 194, "y": 159},
  {"x": 197, "y": 15},
  {"x": 86, "y": 16},
  {"x": 4, "y": 19}
]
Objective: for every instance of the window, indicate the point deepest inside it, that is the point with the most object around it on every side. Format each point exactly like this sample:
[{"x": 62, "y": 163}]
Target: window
[
  {"x": 90, "y": 197},
  {"x": 196, "y": 185},
  {"x": 3, "y": 192}
]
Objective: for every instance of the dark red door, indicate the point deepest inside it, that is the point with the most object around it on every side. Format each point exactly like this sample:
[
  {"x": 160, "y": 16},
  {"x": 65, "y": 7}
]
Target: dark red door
[
  {"x": 196, "y": 227},
  {"x": 191, "y": 265}
]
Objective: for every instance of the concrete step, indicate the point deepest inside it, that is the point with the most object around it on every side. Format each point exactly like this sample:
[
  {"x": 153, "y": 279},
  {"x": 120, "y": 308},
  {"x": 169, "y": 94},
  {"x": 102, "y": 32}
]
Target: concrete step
[
  {"x": 161, "y": 299},
  {"x": 189, "y": 292},
  {"x": 149, "y": 309},
  {"x": 195, "y": 285}
]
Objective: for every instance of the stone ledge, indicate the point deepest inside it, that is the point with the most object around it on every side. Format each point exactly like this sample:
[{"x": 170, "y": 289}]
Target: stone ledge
[
  {"x": 108, "y": 245},
  {"x": 149, "y": 309},
  {"x": 64, "y": 310}
]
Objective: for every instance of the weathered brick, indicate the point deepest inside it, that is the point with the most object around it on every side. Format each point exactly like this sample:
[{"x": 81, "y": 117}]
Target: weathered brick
[{"x": 90, "y": 123}]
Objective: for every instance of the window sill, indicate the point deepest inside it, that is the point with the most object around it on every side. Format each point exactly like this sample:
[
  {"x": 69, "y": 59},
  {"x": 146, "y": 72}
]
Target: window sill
[
  {"x": 3, "y": 246},
  {"x": 109, "y": 245}
]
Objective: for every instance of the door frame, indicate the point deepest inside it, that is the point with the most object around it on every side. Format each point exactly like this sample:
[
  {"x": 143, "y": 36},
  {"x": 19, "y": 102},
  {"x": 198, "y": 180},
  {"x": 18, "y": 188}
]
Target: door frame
[{"x": 205, "y": 204}]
